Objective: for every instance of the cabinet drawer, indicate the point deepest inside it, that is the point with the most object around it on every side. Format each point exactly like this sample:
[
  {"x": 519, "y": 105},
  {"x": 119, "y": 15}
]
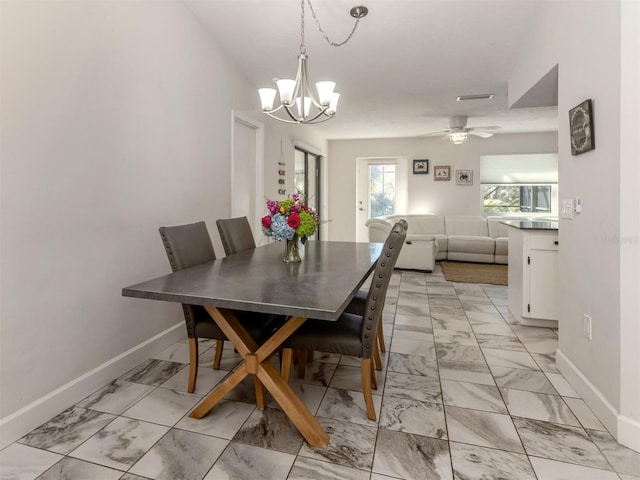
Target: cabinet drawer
[{"x": 544, "y": 242}]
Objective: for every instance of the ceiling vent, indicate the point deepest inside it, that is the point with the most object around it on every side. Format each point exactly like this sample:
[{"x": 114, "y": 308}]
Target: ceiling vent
[{"x": 480, "y": 96}]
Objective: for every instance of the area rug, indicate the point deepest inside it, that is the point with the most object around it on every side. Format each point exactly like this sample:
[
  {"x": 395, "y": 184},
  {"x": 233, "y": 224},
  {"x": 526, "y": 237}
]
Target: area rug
[{"x": 475, "y": 272}]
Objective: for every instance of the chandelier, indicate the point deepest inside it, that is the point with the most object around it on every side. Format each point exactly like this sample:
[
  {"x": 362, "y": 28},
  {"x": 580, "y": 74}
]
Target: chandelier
[{"x": 299, "y": 103}]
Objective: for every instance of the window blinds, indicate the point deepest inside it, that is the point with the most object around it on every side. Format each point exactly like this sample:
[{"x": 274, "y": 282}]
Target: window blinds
[{"x": 527, "y": 168}]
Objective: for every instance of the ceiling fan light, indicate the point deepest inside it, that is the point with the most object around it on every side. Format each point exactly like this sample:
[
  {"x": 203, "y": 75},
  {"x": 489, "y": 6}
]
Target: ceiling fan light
[
  {"x": 325, "y": 90},
  {"x": 267, "y": 95},
  {"x": 458, "y": 137}
]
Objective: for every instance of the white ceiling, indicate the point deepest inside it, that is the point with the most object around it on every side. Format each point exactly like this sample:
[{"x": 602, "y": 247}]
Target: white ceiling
[{"x": 400, "y": 74}]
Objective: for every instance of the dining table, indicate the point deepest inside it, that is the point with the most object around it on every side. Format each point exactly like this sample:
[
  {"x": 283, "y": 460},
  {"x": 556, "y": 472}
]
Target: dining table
[{"x": 320, "y": 286}]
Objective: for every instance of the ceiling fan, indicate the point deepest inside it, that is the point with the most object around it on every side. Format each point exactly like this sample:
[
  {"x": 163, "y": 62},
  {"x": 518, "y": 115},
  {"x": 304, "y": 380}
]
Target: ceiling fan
[{"x": 458, "y": 130}]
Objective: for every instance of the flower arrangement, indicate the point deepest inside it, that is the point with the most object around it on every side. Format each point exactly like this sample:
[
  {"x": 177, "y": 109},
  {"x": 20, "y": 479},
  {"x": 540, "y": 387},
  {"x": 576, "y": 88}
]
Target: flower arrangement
[{"x": 289, "y": 218}]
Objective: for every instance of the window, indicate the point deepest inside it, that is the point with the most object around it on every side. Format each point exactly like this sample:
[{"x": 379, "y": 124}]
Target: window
[
  {"x": 516, "y": 198},
  {"x": 519, "y": 184},
  {"x": 306, "y": 179},
  {"x": 382, "y": 189}
]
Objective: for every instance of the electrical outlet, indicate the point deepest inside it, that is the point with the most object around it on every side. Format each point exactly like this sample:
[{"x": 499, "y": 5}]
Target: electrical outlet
[{"x": 586, "y": 326}]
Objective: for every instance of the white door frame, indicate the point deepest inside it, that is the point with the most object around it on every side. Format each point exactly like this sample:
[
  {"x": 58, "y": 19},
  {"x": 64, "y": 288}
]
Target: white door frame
[
  {"x": 259, "y": 167},
  {"x": 362, "y": 190}
]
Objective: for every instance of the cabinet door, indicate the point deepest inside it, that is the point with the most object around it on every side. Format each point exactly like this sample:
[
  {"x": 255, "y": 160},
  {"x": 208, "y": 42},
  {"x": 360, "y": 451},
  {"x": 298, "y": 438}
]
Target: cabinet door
[{"x": 543, "y": 284}]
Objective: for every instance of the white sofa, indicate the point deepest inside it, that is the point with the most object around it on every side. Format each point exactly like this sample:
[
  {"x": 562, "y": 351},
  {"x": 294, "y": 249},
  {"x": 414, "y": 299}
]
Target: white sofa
[
  {"x": 437, "y": 237},
  {"x": 420, "y": 249}
]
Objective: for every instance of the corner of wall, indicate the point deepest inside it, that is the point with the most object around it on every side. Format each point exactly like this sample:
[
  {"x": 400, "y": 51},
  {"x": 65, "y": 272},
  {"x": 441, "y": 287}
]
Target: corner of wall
[
  {"x": 626, "y": 430},
  {"x": 21, "y": 422}
]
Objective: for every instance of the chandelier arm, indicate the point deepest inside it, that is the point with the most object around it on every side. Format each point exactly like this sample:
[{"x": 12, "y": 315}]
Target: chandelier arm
[
  {"x": 318, "y": 115},
  {"x": 313, "y": 120},
  {"x": 280, "y": 119},
  {"x": 333, "y": 44},
  {"x": 287, "y": 109}
]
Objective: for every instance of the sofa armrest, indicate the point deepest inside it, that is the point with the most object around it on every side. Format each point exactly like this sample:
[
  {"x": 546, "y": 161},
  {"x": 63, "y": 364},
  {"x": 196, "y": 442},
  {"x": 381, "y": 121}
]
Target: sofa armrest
[{"x": 379, "y": 229}]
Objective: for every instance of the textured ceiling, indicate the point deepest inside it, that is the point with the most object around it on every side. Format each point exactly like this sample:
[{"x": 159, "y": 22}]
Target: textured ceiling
[{"x": 401, "y": 72}]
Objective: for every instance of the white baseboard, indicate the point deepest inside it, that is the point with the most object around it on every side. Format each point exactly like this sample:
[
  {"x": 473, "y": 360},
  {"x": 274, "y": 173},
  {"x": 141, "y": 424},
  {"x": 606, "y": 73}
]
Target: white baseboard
[
  {"x": 625, "y": 430},
  {"x": 629, "y": 432},
  {"x": 21, "y": 422}
]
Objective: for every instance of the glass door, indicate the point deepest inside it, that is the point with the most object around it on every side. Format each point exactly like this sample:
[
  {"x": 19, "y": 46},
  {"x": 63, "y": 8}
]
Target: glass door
[
  {"x": 307, "y": 179},
  {"x": 381, "y": 189}
]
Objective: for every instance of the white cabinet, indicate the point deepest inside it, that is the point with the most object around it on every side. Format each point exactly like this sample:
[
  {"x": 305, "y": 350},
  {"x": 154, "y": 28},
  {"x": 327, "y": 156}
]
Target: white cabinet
[{"x": 533, "y": 276}]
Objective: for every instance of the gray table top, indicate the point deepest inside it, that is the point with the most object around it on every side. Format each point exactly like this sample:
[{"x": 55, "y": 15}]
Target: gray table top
[{"x": 258, "y": 280}]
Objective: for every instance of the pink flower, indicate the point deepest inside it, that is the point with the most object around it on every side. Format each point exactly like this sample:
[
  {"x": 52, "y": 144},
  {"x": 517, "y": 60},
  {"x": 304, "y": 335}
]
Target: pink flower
[
  {"x": 293, "y": 220},
  {"x": 272, "y": 206},
  {"x": 266, "y": 221}
]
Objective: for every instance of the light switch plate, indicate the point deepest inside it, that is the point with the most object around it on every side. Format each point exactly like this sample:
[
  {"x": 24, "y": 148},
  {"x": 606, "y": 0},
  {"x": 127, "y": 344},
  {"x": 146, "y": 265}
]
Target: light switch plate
[{"x": 567, "y": 208}]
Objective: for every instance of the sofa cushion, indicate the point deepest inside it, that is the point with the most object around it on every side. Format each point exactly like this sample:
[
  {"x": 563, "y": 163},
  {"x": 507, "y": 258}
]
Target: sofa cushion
[
  {"x": 497, "y": 229},
  {"x": 418, "y": 253},
  {"x": 425, "y": 224},
  {"x": 466, "y": 226},
  {"x": 471, "y": 257},
  {"x": 471, "y": 244},
  {"x": 501, "y": 259},
  {"x": 443, "y": 246},
  {"x": 502, "y": 246}
]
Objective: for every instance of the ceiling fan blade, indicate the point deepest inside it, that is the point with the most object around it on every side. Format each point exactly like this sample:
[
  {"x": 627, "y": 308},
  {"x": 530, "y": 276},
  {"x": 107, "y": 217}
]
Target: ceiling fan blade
[
  {"x": 480, "y": 134},
  {"x": 483, "y": 127},
  {"x": 435, "y": 134}
]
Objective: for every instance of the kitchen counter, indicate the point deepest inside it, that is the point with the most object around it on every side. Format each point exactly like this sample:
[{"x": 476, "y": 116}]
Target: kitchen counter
[{"x": 532, "y": 224}]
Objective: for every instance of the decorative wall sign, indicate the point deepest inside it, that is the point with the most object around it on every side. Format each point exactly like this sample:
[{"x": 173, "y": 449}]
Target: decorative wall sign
[
  {"x": 421, "y": 166},
  {"x": 464, "y": 177},
  {"x": 281, "y": 173},
  {"x": 581, "y": 128},
  {"x": 442, "y": 173}
]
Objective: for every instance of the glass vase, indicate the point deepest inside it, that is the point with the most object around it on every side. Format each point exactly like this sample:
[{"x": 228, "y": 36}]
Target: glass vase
[{"x": 292, "y": 250}]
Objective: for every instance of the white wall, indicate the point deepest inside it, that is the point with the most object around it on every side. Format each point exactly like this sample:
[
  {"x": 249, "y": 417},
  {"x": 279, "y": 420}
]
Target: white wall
[
  {"x": 275, "y": 133},
  {"x": 425, "y": 195},
  {"x": 115, "y": 120},
  {"x": 596, "y": 245},
  {"x": 629, "y": 425},
  {"x": 289, "y": 134}
]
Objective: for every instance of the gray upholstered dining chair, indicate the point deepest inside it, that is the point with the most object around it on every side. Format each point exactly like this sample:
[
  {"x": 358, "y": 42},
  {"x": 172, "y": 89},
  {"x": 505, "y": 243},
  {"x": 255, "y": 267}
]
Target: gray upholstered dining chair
[
  {"x": 352, "y": 334},
  {"x": 190, "y": 245},
  {"x": 357, "y": 306},
  {"x": 236, "y": 235}
]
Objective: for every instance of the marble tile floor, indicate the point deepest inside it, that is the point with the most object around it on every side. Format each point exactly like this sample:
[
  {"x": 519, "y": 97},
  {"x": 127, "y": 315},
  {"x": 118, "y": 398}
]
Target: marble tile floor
[{"x": 464, "y": 394}]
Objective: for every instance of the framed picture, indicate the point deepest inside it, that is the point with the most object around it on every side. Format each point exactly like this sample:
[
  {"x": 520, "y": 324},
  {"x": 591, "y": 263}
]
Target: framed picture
[
  {"x": 421, "y": 166},
  {"x": 442, "y": 173},
  {"x": 581, "y": 128},
  {"x": 464, "y": 177}
]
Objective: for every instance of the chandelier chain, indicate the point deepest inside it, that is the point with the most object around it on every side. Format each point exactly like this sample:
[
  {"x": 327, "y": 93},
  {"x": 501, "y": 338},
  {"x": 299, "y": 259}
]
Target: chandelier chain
[
  {"x": 333, "y": 44},
  {"x": 303, "y": 49}
]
